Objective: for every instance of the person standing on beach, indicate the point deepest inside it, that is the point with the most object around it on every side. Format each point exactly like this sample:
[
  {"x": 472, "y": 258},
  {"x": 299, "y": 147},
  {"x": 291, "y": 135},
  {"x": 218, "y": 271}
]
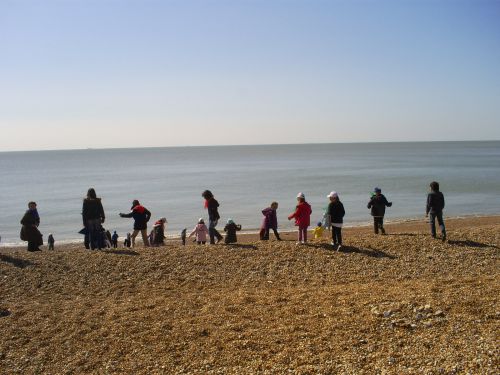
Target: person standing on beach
[
  {"x": 141, "y": 217},
  {"x": 212, "y": 205},
  {"x": 158, "y": 237},
  {"x": 29, "y": 229},
  {"x": 200, "y": 231},
  {"x": 50, "y": 241},
  {"x": 270, "y": 221},
  {"x": 336, "y": 214},
  {"x": 93, "y": 218},
  {"x": 302, "y": 217},
  {"x": 434, "y": 209},
  {"x": 377, "y": 203},
  {"x": 114, "y": 239},
  {"x": 231, "y": 228}
]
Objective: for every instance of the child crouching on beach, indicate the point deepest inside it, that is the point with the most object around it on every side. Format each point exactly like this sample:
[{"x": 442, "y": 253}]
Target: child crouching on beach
[
  {"x": 200, "y": 231},
  {"x": 231, "y": 228},
  {"x": 157, "y": 235},
  {"x": 336, "y": 212},
  {"x": 318, "y": 231},
  {"x": 270, "y": 221},
  {"x": 302, "y": 216}
]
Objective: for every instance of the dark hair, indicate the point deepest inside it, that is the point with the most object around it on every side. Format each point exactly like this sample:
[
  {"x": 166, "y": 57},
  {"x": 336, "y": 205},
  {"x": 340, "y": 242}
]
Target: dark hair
[
  {"x": 301, "y": 199},
  {"x": 91, "y": 194},
  {"x": 207, "y": 194},
  {"x": 434, "y": 186},
  {"x": 30, "y": 203},
  {"x": 135, "y": 202}
]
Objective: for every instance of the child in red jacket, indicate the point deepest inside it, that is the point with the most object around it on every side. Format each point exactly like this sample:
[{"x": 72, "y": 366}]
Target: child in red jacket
[{"x": 302, "y": 217}]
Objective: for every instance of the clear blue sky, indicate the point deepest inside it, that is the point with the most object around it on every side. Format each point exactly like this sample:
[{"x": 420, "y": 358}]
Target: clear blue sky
[{"x": 77, "y": 74}]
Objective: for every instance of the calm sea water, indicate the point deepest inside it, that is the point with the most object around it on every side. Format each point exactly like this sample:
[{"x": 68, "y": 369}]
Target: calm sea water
[{"x": 245, "y": 179}]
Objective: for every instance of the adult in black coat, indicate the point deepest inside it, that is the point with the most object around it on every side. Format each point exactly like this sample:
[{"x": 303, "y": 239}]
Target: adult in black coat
[
  {"x": 93, "y": 218},
  {"x": 29, "y": 229},
  {"x": 378, "y": 203}
]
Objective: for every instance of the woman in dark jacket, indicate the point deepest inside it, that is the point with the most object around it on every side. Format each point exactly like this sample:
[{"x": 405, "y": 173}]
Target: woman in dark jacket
[
  {"x": 212, "y": 205},
  {"x": 93, "y": 217},
  {"x": 29, "y": 229}
]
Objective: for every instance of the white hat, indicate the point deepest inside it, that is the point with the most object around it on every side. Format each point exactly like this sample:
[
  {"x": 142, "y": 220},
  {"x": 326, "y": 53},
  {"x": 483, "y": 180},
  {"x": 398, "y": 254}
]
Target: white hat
[
  {"x": 200, "y": 220},
  {"x": 301, "y": 195},
  {"x": 332, "y": 194}
]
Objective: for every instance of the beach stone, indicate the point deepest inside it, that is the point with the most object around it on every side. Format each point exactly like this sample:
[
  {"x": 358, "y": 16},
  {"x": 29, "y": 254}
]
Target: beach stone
[{"x": 439, "y": 313}]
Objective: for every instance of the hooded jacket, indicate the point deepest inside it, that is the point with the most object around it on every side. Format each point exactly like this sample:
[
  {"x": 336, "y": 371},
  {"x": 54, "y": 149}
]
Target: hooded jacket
[
  {"x": 336, "y": 212},
  {"x": 377, "y": 204},
  {"x": 92, "y": 209},
  {"x": 200, "y": 231},
  {"x": 435, "y": 202},
  {"x": 270, "y": 220},
  {"x": 302, "y": 215}
]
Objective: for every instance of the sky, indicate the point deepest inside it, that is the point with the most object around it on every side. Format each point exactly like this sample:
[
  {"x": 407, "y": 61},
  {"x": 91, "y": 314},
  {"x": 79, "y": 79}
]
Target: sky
[{"x": 108, "y": 73}]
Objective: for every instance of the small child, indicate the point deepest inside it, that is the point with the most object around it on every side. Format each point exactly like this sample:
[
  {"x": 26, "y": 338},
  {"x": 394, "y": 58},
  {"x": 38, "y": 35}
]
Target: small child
[
  {"x": 114, "y": 239},
  {"x": 270, "y": 221},
  {"x": 158, "y": 232},
  {"x": 377, "y": 203},
  {"x": 318, "y": 231},
  {"x": 50, "y": 241},
  {"x": 127, "y": 242},
  {"x": 183, "y": 236},
  {"x": 200, "y": 231},
  {"x": 231, "y": 229},
  {"x": 434, "y": 209},
  {"x": 336, "y": 212},
  {"x": 302, "y": 217}
]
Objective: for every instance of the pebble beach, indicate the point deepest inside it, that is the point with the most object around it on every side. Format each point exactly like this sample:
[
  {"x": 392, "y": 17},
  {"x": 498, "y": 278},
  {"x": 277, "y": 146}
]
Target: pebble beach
[{"x": 403, "y": 303}]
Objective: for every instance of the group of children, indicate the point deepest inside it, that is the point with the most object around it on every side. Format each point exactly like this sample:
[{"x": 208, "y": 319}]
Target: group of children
[{"x": 97, "y": 237}]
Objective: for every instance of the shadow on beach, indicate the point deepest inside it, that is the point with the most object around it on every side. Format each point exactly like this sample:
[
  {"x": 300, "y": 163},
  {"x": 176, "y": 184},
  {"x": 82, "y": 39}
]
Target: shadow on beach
[
  {"x": 402, "y": 234},
  {"x": 374, "y": 253},
  {"x": 241, "y": 246},
  {"x": 16, "y": 262},
  {"x": 469, "y": 243},
  {"x": 121, "y": 252}
]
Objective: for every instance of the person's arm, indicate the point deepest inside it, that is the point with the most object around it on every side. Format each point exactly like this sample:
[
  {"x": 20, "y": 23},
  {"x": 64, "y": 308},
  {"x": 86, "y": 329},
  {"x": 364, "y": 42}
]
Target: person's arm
[
  {"x": 101, "y": 211},
  {"x": 294, "y": 214},
  {"x": 238, "y": 227},
  {"x": 84, "y": 213},
  {"x": 387, "y": 203},
  {"x": 370, "y": 203},
  {"x": 428, "y": 206},
  {"x": 148, "y": 214},
  {"x": 130, "y": 214},
  {"x": 443, "y": 198}
]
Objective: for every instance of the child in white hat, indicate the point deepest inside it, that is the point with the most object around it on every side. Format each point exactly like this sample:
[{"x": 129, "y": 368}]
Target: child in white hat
[
  {"x": 302, "y": 216},
  {"x": 200, "y": 231},
  {"x": 336, "y": 213}
]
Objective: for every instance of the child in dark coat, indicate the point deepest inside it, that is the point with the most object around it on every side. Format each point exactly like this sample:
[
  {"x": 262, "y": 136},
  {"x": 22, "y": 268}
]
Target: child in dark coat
[
  {"x": 29, "y": 229},
  {"x": 378, "y": 203},
  {"x": 336, "y": 213},
  {"x": 270, "y": 221},
  {"x": 212, "y": 206},
  {"x": 50, "y": 241},
  {"x": 231, "y": 228},
  {"x": 434, "y": 208}
]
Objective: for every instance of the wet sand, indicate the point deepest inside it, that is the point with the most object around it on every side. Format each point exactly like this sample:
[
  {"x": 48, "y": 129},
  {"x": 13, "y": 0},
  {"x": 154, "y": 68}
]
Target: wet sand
[{"x": 403, "y": 303}]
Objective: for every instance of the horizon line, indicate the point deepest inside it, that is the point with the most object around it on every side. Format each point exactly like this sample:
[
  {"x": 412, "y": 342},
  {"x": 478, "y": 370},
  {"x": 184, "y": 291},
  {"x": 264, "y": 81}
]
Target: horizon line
[{"x": 247, "y": 145}]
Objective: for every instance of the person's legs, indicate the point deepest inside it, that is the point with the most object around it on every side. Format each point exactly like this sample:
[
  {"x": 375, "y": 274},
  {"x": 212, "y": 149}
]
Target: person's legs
[
  {"x": 144, "y": 233},
  {"x": 134, "y": 235},
  {"x": 432, "y": 222},
  {"x": 375, "y": 224},
  {"x": 300, "y": 234},
  {"x": 381, "y": 223},
  {"x": 275, "y": 233},
  {"x": 440, "y": 220},
  {"x": 339, "y": 235},
  {"x": 304, "y": 234},
  {"x": 211, "y": 230}
]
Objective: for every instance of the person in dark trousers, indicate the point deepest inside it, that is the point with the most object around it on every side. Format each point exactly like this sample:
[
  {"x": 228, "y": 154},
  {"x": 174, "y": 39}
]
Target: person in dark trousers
[
  {"x": 127, "y": 241},
  {"x": 270, "y": 221},
  {"x": 114, "y": 239},
  {"x": 434, "y": 209},
  {"x": 158, "y": 232},
  {"x": 231, "y": 228},
  {"x": 93, "y": 218},
  {"x": 378, "y": 203},
  {"x": 336, "y": 214},
  {"x": 141, "y": 217},
  {"x": 183, "y": 236},
  {"x": 29, "y": 230},
  {"x": 212, "y": 205},
  {"x": 50, "y": 241}
]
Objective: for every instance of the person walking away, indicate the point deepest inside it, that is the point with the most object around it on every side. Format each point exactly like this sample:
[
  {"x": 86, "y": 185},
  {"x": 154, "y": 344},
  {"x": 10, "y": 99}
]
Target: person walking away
[
  {"x": 159, "y": 232},
  {"x": 114, "y": 239},
  {"x": 378, "y": 202},
  {"x": 302, "y": 216},
  {"x": 127, "y": 241},
  {"x": 434, "y": 209},
  {"x": 231, "y": 228},
  {"x": 29, "y": 230},
  {"x": 212, "y": 205},
  {"x": 318, "y": 231},
  {"x": 270, "y": 221},
  {"x": 93, "y": 218},
  {"x": 141, "y": 216},
  {"x": 200, "y": 231},
  {"x": 183, "y": 236},
  {"x": 50, "y": 241},
  {"x": 336, "y": 213}
]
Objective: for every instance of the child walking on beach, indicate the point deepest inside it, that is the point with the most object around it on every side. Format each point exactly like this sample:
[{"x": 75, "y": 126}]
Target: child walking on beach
[
  {"x": 434, "y": 208},
  {"x": 302, "y": 216},
  {"x": 200, "y": 231},
  {"x": 212, "y": 205},
  {"x": 377, "y": 203},
  {"x": 231, "y": 228},
  {"x": 336, "y": 213},
  {"x": 270, "y": 221},
  {"x": 50, "y": 241}
]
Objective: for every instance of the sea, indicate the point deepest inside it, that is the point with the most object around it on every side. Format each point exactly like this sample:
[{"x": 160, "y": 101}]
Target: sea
[{"x": 245, "y": 180}]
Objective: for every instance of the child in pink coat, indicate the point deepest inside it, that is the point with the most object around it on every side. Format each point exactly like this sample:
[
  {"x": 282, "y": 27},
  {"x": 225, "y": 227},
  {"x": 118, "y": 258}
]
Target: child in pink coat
[
  {"x": 302, "y": 216},
  {"x": 200, "y": 231}
]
